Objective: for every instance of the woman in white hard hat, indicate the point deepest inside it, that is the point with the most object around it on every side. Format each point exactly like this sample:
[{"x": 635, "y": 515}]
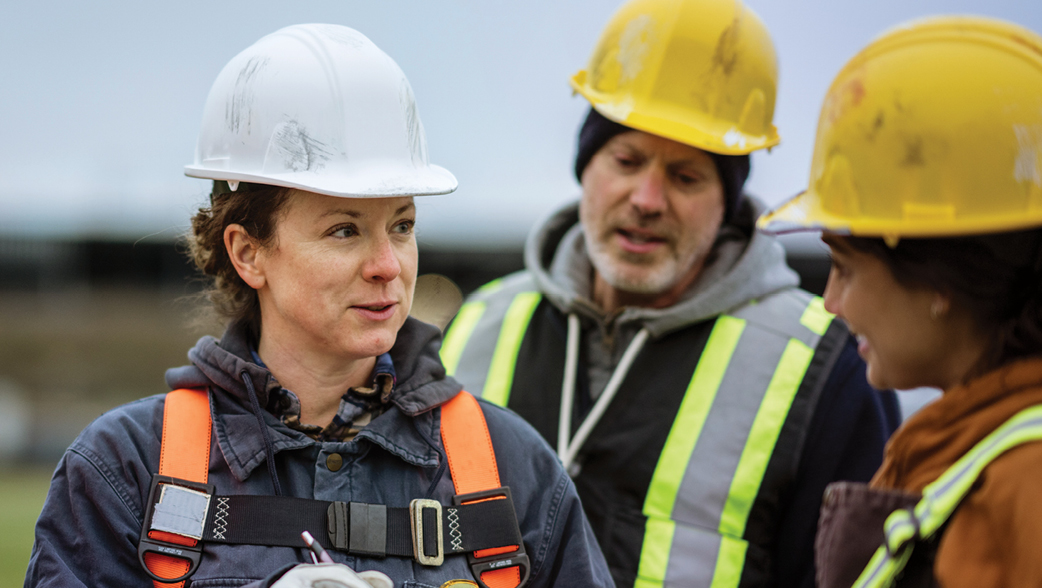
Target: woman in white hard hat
[
  {"x": 927, "y": 183},
  {"x": 320, "y": 434}
]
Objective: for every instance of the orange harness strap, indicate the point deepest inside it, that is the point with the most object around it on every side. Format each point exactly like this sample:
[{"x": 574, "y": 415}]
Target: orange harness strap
[
  {"x": 473, "y": 466},
  {"x": 185, "y": 454}
]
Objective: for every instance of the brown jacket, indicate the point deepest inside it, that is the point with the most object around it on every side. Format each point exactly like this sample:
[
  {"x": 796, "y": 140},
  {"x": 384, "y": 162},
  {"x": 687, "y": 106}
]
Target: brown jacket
[{"x": 994, "y": 538}]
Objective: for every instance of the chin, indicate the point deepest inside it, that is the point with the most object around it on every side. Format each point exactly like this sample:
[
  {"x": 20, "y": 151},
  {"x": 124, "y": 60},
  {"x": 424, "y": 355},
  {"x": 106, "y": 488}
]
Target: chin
[
  {"x": 637, "y": 279},
  {"x": 371, "y": 344}
]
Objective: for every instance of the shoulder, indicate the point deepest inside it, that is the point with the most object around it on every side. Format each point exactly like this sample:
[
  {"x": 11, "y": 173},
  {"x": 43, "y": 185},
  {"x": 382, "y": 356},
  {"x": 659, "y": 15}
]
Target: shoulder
[
  {"x": 526, "y": 462},
  {"x": 505, "y": 288},
  {"x": 513, "y": 434},
  {"x": 128, "y": 431},
  {"x": 1008, "y": 489},
  {"x": 996, "y": 531},
  {"x": 113, "y": 459},
  {"x": 792, "y": 313}
]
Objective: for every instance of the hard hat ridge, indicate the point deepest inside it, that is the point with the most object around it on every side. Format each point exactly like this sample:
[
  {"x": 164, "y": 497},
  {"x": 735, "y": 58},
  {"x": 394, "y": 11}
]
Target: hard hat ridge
[{"x": 317, "y": 107}]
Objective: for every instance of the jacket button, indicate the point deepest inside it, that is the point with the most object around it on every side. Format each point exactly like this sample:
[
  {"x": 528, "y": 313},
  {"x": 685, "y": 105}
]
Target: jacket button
[{"x": 334, "y": 462}]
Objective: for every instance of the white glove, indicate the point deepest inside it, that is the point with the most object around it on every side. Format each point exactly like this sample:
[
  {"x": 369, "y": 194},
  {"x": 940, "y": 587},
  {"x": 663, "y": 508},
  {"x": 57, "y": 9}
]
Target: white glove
[{"x": 329, "y": 575}]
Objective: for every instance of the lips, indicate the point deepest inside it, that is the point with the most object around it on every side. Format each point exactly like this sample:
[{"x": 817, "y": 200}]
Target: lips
[
  {"x": 638, "y": 240},
  {"x": 862, "y": 344},
  {"x": 376, "y": 311}
]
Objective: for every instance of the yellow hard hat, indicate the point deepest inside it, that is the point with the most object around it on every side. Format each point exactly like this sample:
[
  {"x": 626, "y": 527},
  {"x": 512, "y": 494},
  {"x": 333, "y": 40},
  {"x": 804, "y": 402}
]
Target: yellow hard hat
[
  {"x": 934, "y": 129},
  {"x": 700, "y": 72}
]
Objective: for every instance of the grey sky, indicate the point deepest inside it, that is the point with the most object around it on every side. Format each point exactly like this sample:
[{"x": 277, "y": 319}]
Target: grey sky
[{"x": 100, "y": 102}]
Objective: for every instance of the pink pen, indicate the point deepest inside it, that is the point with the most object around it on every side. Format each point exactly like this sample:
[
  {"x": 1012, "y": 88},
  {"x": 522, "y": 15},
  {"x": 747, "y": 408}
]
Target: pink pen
[{"x": 317, "y": 553}]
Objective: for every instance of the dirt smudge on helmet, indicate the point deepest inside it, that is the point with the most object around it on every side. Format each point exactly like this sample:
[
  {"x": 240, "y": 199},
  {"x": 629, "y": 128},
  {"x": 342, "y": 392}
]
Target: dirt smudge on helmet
[{"x": 238, "y": 108}]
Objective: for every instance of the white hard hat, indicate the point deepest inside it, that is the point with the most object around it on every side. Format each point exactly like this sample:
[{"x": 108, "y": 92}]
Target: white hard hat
[{"x": 320, "y": 108}]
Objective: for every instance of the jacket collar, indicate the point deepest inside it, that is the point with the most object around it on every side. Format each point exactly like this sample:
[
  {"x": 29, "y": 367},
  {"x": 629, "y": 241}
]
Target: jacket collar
[{"x": 407, "y": 430}]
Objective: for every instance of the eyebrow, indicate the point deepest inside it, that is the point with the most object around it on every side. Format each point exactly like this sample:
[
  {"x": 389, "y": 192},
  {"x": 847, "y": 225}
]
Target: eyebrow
[
  {"x": 356, "y": 214},
  {"x": 835, "y": 242}
]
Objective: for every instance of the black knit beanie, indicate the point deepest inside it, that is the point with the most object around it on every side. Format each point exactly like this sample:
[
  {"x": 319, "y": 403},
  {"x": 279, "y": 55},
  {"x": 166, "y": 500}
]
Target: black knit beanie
[{"x": 597, "y": 130}]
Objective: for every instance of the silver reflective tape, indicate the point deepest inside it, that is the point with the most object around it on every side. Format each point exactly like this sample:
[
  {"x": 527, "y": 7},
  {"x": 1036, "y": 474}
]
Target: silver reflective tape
[
  {"x": 181, "y": 511},
  {"x": 692, "y": 557},
  {"x": 711, "y": 469},
  {"x": 476, "y": 358}
]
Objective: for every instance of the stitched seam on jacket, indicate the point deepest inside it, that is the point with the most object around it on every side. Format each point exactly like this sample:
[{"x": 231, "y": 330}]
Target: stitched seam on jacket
[
  {"x": 107, "y": 474},
  {"x": 552, "y": 521}
]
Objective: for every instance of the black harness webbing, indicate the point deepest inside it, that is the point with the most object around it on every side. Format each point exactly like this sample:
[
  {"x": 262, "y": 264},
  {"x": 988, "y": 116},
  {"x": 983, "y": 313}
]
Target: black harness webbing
[{"x": 360, "y": 528}]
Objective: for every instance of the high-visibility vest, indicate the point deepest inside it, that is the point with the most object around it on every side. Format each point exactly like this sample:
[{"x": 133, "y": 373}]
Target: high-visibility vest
[
  {"x": 905, "y": 527},
  {"x": 184, "y": 463},
  {"x": 760, "y": 361}
]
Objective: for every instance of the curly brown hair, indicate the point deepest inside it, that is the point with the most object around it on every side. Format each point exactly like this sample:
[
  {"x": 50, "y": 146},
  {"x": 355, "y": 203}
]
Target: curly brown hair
[{"x": 254, "y": 206}]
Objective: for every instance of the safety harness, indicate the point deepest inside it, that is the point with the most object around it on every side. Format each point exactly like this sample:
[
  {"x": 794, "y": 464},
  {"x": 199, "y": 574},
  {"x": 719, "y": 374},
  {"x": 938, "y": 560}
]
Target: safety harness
[
  {"x": 905, "y": 527},
  {"x": 184, "y": 511}
]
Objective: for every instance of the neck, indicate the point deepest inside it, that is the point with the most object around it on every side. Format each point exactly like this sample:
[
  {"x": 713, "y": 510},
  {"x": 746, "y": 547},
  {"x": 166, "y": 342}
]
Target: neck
[
  {"x": 610, "y": 299},
  {"x": 319, "y": 381}
]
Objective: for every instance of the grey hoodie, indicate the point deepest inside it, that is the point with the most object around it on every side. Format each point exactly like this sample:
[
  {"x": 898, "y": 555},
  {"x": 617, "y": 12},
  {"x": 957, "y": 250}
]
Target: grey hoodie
[{"x": 744, "y": 265}]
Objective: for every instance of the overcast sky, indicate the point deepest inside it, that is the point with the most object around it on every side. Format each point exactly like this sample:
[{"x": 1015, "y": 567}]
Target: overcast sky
[{"x": 100, "y": 103}]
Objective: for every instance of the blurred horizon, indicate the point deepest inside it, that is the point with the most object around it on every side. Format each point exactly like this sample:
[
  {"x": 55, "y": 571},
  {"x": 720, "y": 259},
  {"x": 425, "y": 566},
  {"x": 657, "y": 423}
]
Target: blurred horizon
[{"x": 102, "y": 102}]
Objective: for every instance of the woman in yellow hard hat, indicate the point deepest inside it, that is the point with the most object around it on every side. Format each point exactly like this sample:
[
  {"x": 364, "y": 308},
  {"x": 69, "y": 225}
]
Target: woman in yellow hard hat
[{"x": 927, "y": 183}]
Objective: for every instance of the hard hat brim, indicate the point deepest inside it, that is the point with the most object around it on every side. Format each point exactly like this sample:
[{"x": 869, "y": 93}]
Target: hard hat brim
[
  {"x": 392, "y": 181},
  {"x": 804, "y": 213}
]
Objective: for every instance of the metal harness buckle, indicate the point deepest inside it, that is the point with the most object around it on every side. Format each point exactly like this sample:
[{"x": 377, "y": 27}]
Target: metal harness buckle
[
  {"x": 517, "y": 557},
  {"x": 191, "y": 501},
  {"x": 416, "y": 508}
]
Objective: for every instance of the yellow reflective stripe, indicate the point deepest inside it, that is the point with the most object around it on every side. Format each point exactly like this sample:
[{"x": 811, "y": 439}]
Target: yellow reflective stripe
[
  {"x": 669, "y": 471},
  {"x": 815, "y": 317},
  {"x": 504, "y": 358},
  {"x": 458, "y": 334},
  {"x": 652, "y": 570},
  {"x": 881, "y": 569},
  {"x": 490, "y": 287},
  {"x": 943, "y": 495},
  {"x": 729, "y": 562},
  {"x": 763, "y": 436}
]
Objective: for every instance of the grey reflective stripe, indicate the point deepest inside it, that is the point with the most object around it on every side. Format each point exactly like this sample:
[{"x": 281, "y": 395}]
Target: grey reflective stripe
[
  {"x": 736, "y": 437},
  {"x": 942, "y": 496},
  {"x": 474, "y": 353}
]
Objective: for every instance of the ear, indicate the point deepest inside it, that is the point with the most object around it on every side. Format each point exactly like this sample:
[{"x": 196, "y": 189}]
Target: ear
[
  {"x": 940, "y": 305},
  {"x": 244, "y": 251}
]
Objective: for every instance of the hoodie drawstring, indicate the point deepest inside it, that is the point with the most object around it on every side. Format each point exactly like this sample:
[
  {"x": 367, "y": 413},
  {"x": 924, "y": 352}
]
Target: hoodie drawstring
[
  {"x": 567, "y": 449},
  {"x": 269, "y": 447}
]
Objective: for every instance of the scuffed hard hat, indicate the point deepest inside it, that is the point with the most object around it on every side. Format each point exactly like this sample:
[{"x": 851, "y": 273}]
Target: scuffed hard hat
[
  {"x": 699, "y": 72},
  {"x": 320, "y": 108},
  {"x": 932, "y": 130}
]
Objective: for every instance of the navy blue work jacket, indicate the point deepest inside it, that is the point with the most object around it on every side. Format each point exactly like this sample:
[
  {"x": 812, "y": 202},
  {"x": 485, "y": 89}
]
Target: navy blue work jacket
[{"x": 88, "y": 532}]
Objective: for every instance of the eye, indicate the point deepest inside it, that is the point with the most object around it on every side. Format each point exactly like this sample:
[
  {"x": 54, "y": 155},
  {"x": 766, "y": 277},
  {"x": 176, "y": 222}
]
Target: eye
[
  {"x": 626, "y": 160},
  {"x": 344, "y": 231},
  {"x": 404, "y": 227},
  {"x": 838, "y": 268},
  {"x": 687, "y": 179}
]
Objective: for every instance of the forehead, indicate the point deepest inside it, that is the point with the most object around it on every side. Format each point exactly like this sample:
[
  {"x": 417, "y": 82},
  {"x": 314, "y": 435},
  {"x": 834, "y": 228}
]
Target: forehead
[
  {"x": 309, "y": 205},
  {"x": 649, "y": 144}
]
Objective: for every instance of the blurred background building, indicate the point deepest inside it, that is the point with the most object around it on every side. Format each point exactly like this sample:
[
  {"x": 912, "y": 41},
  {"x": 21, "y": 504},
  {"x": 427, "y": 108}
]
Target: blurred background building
[{"x": 100, "y": 105}]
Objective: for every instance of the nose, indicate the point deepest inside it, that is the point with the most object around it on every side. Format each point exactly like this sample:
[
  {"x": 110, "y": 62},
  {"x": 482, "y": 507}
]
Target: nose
[
  {"x": 831, "y": 295},
  {"x": 649, "y": 194},
  {"x": 382, "y": 264}
]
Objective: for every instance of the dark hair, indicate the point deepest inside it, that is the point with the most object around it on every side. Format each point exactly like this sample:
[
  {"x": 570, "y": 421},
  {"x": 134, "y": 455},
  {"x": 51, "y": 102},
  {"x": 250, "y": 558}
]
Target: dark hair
[
  {"x": 254, "y": 206},
  {"x": 997, "y": 278}
]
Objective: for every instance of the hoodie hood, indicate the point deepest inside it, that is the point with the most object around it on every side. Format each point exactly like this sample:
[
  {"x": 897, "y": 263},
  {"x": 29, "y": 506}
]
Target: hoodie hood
[{"x": 744, "y": 265}]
